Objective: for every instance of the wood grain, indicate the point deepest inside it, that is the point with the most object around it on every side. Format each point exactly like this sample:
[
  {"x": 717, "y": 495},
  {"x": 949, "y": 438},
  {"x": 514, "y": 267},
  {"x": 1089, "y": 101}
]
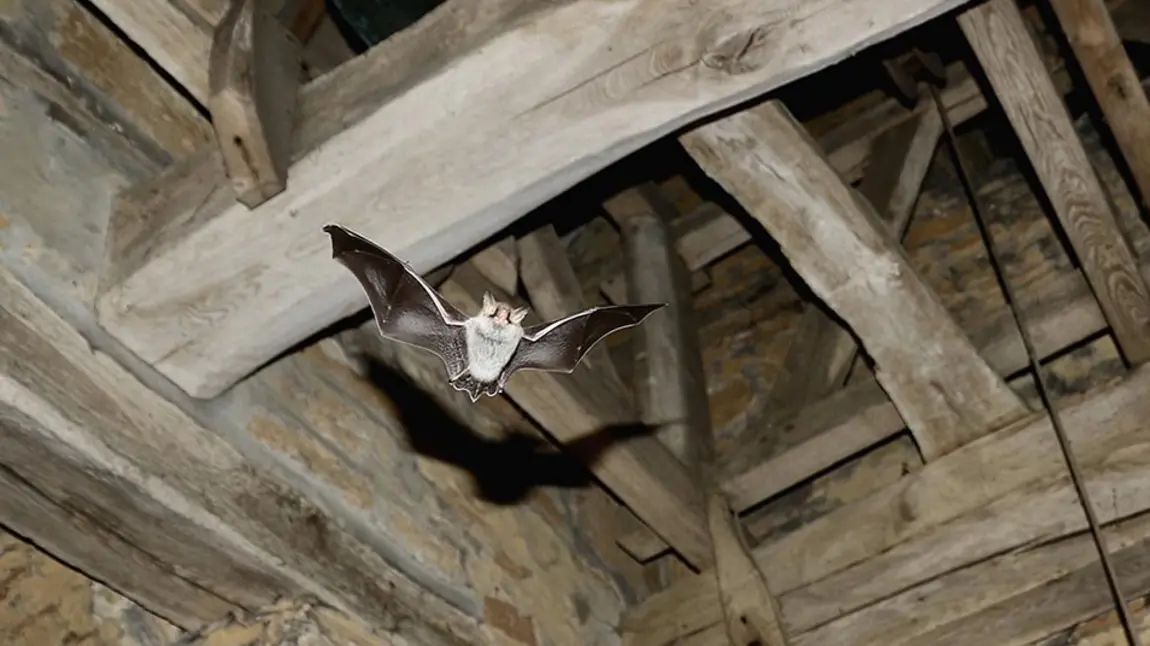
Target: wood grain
[
  {"x": 253, "y": 80},
  {"x": 945, "y": 391},
  {"x": 997, "y": 33},
  {"x": 490, "y": 131}
]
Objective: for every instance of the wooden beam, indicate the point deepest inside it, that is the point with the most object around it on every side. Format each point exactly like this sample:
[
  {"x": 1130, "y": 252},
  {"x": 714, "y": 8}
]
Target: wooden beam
[
  {"x": 918, "y": 529},
  {"x": 641, "y": 472},
  {"x": 254, "y": 76},
  {"x": 997, "y": 33},
  {"x": 499, "y": 263},
  {"x": 944, "y": 390},
  {"x": 1092, "y": 35},
  {"x": 225, "y": 309},
  {"x": 180, "y": 43},
  {"x": 671, "y": 390},
  {"x": 823, "y": 351},
  {"x": 82, "y": 440}
]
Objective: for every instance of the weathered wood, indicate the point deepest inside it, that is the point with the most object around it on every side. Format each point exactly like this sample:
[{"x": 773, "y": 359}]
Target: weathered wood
[
  {"x": 1092, "y": 35},
  {"x": 179, "y": 43},
  {"x": 515, "y": 137},
  {"x": 499, "y": 263},
  {"x": 670, "y": 387},
  {"x": 945, "y": 391},
  {"x": 641, "y": 472},
  {"x": 823, "y": 352},
  {"x": 997, "y": 33},
  {"x": 750, "y": 611},
  {"x": 253, "y": 80},
  {"x": 944, "y": 518},
  {"x": 87, "y": 436}
]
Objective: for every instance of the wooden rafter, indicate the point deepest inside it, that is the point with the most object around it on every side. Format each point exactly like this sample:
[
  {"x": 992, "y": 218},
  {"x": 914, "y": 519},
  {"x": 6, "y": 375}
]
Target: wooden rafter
[
  {"x": 1091, "y": 32},
  {"x": 514, "y": 135},
  {"x": 997, "y": 33},
  {"x": 931, "y": 370},
  {"x": 910, "y": 533},
  {"x": 84, "y": 443}
]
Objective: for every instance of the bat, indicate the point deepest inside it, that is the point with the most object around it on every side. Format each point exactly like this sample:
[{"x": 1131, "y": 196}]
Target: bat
[{"x": 480, "y": 352}]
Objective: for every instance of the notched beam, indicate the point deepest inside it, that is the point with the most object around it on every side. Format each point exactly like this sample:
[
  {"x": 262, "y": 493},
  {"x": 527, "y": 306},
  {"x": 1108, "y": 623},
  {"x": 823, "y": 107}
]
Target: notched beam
[
  {"x": 997, "y": 34},
  {"x": 254, "y": 78},
  {"x": 948, "y": 395}
]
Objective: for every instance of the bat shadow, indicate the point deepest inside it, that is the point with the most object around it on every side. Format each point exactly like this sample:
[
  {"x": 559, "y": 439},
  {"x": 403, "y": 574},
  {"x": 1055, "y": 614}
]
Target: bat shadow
[{"x": 503, "y": 471}]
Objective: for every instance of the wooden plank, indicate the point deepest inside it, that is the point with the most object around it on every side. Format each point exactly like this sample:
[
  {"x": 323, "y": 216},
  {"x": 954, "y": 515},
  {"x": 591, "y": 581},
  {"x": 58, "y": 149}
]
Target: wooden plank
[
  {"x": 670, "y": 387},
  {"x": 945, "y": 391},
  {"x": 253, "y": 80},
  {"x": 179, "y": 43},
  {"x": 499, "y": 263},
  {"x": 823, "y": 352},
  {"x": 944, "y": 518},
  {"x": 1092, "y": 35},
  {"x": 641, "y": 472},
  {"x": 750, "y": 611},
  {"x": 84, "y": 434},
  {"x": 224, "y": 310},
  {"x": 997, "y": 33}
]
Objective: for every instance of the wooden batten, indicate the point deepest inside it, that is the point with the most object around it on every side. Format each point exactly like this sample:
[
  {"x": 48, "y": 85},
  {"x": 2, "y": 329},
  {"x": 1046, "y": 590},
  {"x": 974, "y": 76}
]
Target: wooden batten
[
  {"x": 945, "y": 391},
  {"x": 917, "y": 529},
  {"x": 997, "y": 33},
  {"x": 253, "y": 80},
  {"x": 514, "y": 142}
]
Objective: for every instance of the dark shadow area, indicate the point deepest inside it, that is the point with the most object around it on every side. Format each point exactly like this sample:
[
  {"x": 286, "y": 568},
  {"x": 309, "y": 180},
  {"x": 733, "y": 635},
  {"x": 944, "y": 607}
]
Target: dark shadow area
[{"x": 503, "y": 471}]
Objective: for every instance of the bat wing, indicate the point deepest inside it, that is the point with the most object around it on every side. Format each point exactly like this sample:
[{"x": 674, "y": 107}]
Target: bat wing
[
  {"x": 560, "y": 345},
  {"x": 406, "y": 308}
]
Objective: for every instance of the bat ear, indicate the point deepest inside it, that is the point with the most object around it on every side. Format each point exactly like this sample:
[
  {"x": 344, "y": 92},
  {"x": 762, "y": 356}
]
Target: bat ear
[
  {"x": 488, "y": 303},
  {"x": 518, "y": 314}
]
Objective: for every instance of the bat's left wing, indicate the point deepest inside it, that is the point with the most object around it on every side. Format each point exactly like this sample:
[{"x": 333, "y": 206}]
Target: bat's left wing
[{"x": 560, "y": 345}]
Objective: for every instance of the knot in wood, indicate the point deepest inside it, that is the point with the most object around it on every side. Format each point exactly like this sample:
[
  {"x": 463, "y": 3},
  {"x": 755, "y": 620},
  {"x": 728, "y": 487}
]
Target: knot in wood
[{"x": 729, "y": 52}]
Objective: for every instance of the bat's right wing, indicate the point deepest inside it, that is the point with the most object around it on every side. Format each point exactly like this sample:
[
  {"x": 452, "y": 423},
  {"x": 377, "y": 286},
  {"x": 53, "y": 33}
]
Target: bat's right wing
[
  {"x": 406, "y": 308},
  {"x": 560, "y": 345}
]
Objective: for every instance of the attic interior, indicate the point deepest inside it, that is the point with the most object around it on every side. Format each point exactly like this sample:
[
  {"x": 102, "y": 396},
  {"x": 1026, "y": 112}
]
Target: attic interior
[{"x": 204, "y": 440}]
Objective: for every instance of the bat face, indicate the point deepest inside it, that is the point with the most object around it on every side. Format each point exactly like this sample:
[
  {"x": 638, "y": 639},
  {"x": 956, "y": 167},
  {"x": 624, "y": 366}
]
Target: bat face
[{"x": 480, "y": 352}]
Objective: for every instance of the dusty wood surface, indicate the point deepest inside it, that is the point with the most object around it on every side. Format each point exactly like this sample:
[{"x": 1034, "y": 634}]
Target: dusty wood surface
[
  {"x": 997, "y": 33},
  {"x": 499, "y": 263},
  {"x": 288, "y": 623},
  {"x": 822, "y": 355},
  {"x": 926, "y": 363},
  {"x": 253, "y": 79},
  {"x": 59, "y": 50},
  {"x": 179, "y": 42},
  {"x": 922, "y": 526},
  {"x": 642, "y": 473},
  {"x": 1091, "y": 32},
  {"x": 263, "y": 303}
]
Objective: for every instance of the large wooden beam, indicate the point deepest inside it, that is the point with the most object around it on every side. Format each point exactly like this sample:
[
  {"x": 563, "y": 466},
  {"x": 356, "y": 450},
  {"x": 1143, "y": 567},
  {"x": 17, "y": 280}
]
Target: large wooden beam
[
  {"x": 918, "y": 529},
  {"x": 85, "y": 442},
  {"x": 823, "y": 351},
  {"x": 997, "y": 33},
  {"x": 1092, "y": 35},
  {"x": 641, "y": 471},
  {"x": 946, "y": 392},
  {"x": 496, "y": 123}
]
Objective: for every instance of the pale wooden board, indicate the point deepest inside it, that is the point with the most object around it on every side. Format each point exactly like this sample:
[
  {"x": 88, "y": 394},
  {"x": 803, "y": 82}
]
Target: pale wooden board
[
  {"x": 1003, "y": 491},
  {"x": 998, "y": 35},
  {"x": 543, "y": 104},
  {"x": 934, "y": 375},
  {"x": 1091, "y": 31}
]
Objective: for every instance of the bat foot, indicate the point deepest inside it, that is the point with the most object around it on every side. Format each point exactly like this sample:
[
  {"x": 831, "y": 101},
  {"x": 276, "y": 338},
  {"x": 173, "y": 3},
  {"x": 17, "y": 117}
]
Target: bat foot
[{"x": 475, "y": 388}]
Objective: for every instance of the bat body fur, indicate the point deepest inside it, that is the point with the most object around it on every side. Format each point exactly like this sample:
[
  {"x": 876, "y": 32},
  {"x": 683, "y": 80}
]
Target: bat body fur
[{"x": 480, "y": 352}]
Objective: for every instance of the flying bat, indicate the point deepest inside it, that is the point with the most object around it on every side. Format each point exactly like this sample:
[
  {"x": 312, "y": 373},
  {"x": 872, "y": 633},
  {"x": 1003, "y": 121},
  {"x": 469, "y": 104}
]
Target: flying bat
[{"x": 480, "y": 352}]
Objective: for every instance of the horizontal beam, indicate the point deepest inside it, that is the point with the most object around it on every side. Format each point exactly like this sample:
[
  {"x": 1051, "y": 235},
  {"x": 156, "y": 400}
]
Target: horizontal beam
[
  {"x": 489, "y": 133},
  {"x": 908, "y": 534},
  {"x": 85, "y": 443}
]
